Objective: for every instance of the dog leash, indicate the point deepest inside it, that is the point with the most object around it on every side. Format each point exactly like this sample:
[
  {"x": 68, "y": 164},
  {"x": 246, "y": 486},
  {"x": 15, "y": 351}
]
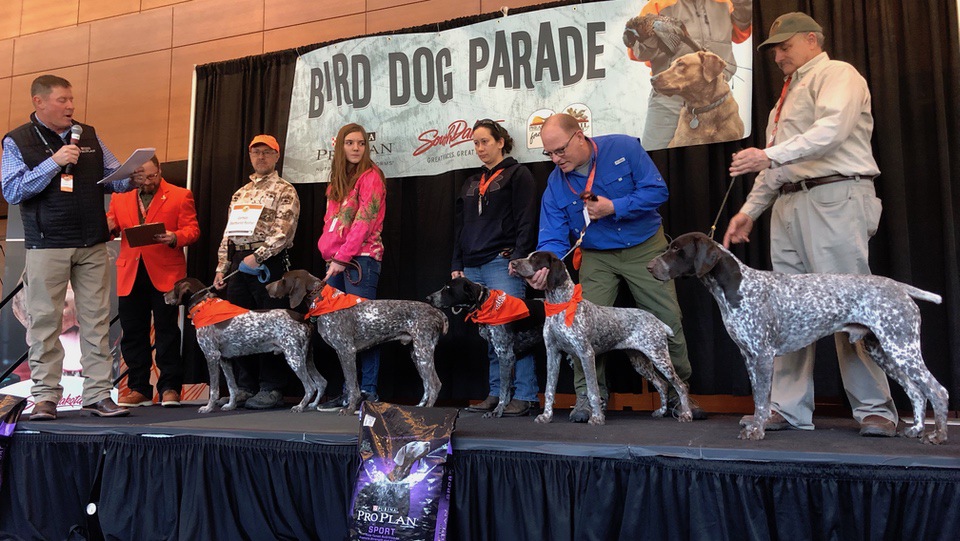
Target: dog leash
[
  {"x": 210, "y": 287},
  {"x": 713, "y": 226}
]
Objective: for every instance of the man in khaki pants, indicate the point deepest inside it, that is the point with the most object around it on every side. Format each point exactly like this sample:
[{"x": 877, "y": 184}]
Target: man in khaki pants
[
  {"x": 51, "y": 166},
  {"x": 817, "y": 171}
]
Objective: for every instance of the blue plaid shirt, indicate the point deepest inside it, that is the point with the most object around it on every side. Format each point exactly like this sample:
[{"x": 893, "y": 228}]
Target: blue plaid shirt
[{"x": 21, "y": 183}]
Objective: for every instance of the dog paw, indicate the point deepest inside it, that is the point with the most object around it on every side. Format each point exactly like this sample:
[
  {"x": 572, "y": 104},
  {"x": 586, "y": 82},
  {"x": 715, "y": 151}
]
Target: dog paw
[
  {"x": 934, "y": 438},
  {"x": 297, "y": 409},
  {"x": 659, "y": 413},
  {"x": 685, "y": 417},
  {"x": 206, "y": 409},
  {"x": 597, "y": 420},
  {"x": 751, "y": 432},
  {"x": 912, "y": 431},
  {"x": 229, "y": 406},
  {"x": 543, "y": 418},
  {"x": 346, "y": 411}
]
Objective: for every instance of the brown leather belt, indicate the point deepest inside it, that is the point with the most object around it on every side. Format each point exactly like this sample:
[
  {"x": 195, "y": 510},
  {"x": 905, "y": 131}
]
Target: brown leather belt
[{"x": 808, "y": 183}]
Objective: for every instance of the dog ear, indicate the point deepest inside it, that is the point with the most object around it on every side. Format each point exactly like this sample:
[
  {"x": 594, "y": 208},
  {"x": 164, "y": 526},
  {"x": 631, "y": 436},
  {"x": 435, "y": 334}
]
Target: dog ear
[
  {"x": 183, "y": 288},
  {"x": 712, "y": 65},
  {"x": 557, "y": 275},
  {"x": 707, "y": 254},
  {"x": 297, "y": 290}
]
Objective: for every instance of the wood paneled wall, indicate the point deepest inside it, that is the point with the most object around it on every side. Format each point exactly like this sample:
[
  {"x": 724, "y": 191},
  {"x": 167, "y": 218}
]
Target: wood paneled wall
[{"x": 131, "y": 61}]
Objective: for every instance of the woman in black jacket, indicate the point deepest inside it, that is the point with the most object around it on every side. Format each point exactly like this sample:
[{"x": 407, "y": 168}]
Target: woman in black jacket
[{"x": 496, "y": 221}]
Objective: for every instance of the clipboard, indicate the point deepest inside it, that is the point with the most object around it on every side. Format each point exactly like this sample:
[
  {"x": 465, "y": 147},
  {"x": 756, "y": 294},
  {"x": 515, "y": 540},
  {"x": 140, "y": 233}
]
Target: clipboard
[{"x": 142, "y": 235}]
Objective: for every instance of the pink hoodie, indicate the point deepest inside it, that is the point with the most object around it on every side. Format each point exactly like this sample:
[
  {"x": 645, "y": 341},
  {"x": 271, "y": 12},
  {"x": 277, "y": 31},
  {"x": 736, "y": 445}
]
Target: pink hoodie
[{"x": 352, "y": 227}]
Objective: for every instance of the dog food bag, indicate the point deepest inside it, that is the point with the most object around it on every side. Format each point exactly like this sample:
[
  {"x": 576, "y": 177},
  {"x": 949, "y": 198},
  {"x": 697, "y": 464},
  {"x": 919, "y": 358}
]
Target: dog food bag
[
  {"x": 10, "y": 409},
  {"x": 403, "y": 483}
]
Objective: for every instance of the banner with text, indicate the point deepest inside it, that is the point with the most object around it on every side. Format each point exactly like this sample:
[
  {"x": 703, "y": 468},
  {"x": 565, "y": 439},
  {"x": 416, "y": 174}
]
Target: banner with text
[{"x": 418, "y": 95}]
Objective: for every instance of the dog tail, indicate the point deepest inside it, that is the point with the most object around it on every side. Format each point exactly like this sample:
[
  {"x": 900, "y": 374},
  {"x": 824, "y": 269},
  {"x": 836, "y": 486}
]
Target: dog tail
[{"x": 918, "y": 293}]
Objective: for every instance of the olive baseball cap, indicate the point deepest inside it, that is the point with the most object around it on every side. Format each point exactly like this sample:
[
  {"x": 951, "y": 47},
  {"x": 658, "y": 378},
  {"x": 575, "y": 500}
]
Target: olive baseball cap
[{"x": 788, "y": 25}]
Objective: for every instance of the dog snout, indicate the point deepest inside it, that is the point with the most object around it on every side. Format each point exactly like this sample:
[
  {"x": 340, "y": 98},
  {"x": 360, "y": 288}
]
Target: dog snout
[
  {"x": 171, "y": 297},
  {"x": 433, "y": 299},
  {"x": 273, "y": 289},
  {"x": 658, "y": 269}
]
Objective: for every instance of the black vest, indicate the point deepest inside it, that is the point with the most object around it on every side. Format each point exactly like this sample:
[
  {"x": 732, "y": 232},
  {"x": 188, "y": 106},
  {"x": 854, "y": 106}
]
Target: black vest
[{"x": 54, "y": 218}]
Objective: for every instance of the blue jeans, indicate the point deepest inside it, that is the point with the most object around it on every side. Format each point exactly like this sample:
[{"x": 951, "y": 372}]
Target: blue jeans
[
  {"x": 367, "y": 288},
  {"x": 494, "y": 275}
]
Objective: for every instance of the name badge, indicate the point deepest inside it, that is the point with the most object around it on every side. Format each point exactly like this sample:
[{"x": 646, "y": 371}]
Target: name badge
[
  {"x": 66, "y": 183},
  {"x": 243, "y": 220},
  {"x": 618, "y": 162}
]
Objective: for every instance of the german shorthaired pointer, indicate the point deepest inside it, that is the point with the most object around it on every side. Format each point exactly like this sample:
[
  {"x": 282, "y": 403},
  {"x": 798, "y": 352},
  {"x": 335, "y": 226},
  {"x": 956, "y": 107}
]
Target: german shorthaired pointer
[
  {"x": 367, "y": 324},
  {"x": 595, "y": 330},
  {"x": 255, "y": 331},
  {"x": 509, "y": 340},
  {"x": 770, "y": 313}
]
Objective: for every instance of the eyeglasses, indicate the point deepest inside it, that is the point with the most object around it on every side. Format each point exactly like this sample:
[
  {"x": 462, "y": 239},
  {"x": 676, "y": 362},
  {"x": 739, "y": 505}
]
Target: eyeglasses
[
  {"x": 491, "y": 124},
  {"x": 153, "y": 176},
  {"x": 562, "y": 150},
  {"x": 258, "y": 153}
]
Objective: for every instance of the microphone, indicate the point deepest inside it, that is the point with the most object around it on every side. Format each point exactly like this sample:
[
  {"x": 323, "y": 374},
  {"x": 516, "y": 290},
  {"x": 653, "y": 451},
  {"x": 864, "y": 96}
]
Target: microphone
[{"x": 75, "y": 132}]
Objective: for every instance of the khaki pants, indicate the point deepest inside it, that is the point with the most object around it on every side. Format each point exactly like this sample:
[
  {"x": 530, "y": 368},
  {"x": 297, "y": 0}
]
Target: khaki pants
[
  {"x": 826, "y": 229},
  {"x": 45, "y": 280},
  {"x": 600, "y": 275}
]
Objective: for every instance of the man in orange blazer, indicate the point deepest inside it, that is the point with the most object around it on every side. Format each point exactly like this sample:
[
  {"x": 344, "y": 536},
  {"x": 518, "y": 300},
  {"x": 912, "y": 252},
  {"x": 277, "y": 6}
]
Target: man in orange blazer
[{"x": 143, "y": 275}]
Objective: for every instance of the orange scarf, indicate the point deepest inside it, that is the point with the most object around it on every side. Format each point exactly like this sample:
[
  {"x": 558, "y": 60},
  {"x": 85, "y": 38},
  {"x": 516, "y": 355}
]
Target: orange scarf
[
  {"x": 570, "y": 307},
  {"x": 499, "y": 309},
  {"x": 331, "y": 299},
  {"x": 214, "y": 310}
]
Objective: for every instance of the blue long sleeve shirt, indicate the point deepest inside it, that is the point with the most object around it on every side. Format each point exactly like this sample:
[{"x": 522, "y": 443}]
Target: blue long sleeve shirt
[
  {"x": 627, "y": 176},
  {"x": 21, "y": 183}
]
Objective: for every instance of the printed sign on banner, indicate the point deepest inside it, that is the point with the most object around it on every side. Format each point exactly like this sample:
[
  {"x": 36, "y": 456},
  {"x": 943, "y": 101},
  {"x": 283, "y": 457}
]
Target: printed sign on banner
[{"x": 418, "y": 95}]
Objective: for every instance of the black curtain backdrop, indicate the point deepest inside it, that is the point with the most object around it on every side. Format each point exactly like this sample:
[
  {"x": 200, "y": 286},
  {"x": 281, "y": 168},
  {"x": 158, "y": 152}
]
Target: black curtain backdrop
[{"x": 909, "y": 54}]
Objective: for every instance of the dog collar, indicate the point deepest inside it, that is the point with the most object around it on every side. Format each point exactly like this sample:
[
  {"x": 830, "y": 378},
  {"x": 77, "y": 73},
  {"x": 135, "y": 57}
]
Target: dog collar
[
  {"x": 570, "y": 307},
  {"x": 498, "y": 309},
  {"x": 706, "y": 108}
]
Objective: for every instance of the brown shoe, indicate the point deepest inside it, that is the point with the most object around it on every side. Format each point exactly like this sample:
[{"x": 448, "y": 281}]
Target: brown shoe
[
  {"x": 45, "y": 410},
  {"x": 487, "y": 405},
  {"x": 135, "y": 399},
  {"x": 877, "y": 427},
  {"x": 516, "y": 408},
  {"x": 774, "y": 423},
  {"x": 105, "y": 408},
  {"x": 170, "y": 399}
]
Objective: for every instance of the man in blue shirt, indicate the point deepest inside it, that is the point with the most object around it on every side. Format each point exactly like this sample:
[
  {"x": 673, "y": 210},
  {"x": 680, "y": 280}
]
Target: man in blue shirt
[
  {"x": 623, "y": 234},
  {"x": 51, "y": 167}
]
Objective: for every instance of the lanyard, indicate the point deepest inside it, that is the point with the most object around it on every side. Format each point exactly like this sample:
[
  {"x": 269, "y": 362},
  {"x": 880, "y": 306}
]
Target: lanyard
[
  {"x": 484, "y": 184},
  {"x": 44, "y": 139},
  {"x": 593, "y": 172},
  {"x": 776, "y": 117}
]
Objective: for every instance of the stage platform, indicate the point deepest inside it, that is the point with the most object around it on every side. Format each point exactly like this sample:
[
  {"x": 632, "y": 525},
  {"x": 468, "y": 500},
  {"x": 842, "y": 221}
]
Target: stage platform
[{"x": 174, "y": 474}]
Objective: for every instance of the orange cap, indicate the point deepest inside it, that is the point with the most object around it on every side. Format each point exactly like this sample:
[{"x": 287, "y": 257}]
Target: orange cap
[{"x": 264, "y": 139}]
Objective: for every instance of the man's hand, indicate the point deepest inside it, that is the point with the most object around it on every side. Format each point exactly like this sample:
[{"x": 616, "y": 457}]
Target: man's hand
[
  {"x": 334, "y": 269},
  {"x": 138, "y": 177},
  {"x": 169, "y": 238},
  {"x": 599, "y": 207},
  {"x": 738, "y": 230},
  {"x": 218, "y": 282},
  {"x": 749, "y": 160},
  {"x": 456, "y": 274},
  {"x": 66, "y": 155},
  {"x": 251, "y": 261},
  {"x": 539, "y": 279}
]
